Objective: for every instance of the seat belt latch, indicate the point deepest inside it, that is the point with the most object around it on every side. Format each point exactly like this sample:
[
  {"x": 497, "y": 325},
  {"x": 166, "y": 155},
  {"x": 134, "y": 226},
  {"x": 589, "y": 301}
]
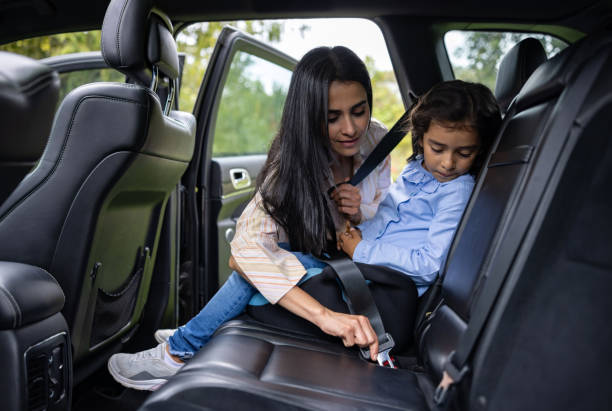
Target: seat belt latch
[
  {"x": 385, "y": 345},
  {"x": 451, "y": 376}
]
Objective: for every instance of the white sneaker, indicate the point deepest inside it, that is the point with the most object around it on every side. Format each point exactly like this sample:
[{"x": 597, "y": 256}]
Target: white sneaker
[
  {"x": 145, "y": 370},
  {"x": 161, "y": 336}
]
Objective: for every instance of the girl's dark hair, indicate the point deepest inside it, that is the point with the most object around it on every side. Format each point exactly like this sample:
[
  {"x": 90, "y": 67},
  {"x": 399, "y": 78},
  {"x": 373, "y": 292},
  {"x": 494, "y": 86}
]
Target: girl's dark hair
[
  {"x": 457, "y": 103},
  {"x": 292, "y": 182}
]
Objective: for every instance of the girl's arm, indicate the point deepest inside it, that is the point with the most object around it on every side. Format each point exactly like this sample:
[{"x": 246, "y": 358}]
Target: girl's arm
[{"x": 420, "y": 263}]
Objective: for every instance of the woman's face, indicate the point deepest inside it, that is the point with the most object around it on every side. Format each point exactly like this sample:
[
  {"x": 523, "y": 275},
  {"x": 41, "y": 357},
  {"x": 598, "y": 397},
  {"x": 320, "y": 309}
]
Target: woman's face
[{"x": 348, "y": 116}]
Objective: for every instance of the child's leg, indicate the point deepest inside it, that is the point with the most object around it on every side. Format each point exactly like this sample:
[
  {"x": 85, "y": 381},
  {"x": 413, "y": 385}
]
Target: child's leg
[{"x": 231, "y": 300}]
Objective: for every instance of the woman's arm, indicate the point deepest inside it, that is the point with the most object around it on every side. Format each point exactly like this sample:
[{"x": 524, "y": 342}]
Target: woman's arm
[{"x": 352, "y": 329}]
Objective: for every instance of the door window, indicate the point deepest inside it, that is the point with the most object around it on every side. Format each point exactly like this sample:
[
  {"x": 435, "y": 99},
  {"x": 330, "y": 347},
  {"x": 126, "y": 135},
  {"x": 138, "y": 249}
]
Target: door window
[
  {"x": 251, "y": 105},
  {"x": 476, "y": 55}
]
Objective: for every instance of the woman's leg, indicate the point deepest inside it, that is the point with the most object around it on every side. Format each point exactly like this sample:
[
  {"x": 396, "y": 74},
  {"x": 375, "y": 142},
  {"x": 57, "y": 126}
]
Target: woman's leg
[{"x": 231, "y": 300}]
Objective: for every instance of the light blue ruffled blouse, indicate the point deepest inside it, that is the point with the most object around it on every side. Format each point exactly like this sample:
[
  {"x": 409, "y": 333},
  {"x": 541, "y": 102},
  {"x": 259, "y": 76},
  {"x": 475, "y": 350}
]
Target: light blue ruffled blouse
[{"x": 415, "y": 223}]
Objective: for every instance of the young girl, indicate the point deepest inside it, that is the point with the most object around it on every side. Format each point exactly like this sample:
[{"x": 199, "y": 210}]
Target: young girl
[
  {"x": 453, "y": 126},
  {"x": 325, "y": 135}
]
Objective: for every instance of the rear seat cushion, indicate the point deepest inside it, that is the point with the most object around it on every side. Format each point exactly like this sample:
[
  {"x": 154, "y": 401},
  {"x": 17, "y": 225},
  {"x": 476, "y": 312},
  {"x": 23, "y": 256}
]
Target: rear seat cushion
[{"x": 236, "y": 371}]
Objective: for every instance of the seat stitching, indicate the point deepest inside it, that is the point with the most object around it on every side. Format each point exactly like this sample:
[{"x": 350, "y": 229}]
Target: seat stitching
[{"x": 64, "y": 145}]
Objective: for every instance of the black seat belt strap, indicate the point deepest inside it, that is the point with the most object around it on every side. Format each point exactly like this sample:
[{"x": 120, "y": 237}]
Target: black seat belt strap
[
  {"x": 387, "y": 143},
  {"x": 382, "y": 149},
  {"x": 361, "y": 302}
]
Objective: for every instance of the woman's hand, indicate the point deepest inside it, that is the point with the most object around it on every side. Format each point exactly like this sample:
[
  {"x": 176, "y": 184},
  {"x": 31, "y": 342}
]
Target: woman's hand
[
  {"x": 352, "y": 329},
  {"x": 348, "y": 240},
  {"x": 348, "y": 200}
]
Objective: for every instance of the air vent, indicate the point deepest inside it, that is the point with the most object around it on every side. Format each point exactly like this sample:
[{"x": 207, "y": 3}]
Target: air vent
[{"x": 36, "y": 374}]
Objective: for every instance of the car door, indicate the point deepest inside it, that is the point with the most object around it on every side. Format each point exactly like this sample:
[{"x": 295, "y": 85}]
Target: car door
[{"x": 238, "y": 110}]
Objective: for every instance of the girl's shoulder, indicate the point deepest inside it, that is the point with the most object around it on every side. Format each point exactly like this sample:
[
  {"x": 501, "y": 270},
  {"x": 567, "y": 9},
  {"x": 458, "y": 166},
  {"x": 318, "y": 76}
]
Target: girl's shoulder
[{"x": 461, "y": 186}]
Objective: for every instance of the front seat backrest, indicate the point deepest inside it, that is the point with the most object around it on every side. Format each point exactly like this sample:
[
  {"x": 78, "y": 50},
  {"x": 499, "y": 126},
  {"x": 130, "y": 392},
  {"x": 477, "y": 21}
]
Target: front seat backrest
[
  {"x": 515, "y": 68},
  {"x": 28, "y": 98},
  {"x": 90, "y": 212}
]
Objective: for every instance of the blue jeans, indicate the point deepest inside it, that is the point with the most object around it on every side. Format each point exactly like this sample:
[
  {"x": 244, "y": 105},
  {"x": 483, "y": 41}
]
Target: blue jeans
[{"x": 227, "y": 303}]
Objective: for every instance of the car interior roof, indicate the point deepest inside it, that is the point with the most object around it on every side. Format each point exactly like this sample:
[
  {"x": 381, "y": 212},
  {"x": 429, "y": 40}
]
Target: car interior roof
[{"x": 29, "y": 18}]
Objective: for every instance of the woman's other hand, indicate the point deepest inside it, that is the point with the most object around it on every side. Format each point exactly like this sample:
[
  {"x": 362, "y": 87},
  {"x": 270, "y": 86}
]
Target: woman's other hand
[
  {"x": 348, "y": 240},
  {"x": 348, "y": 200}
]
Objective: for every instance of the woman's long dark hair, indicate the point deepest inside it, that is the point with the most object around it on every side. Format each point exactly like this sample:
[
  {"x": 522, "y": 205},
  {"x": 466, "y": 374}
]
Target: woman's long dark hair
[{"x": 292, "y": 182}]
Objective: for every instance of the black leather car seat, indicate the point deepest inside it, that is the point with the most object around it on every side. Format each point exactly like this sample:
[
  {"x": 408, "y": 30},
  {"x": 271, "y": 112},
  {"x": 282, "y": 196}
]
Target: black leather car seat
[
  {"x": 90, "y": 212},
  {"x": 28, "y": 99},
  {"x": 554, "y": 142},
  {"x": 515, "y": 68}
]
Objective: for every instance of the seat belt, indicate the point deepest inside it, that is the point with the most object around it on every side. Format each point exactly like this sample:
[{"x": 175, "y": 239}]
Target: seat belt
[{"x": 361, "y": 302}]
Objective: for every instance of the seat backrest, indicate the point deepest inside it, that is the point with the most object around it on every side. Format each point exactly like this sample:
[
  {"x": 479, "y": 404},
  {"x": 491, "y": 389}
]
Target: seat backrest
[
  {"x": 28, "y": 99},
  {"x": 515, "y": 68},
  {"x": 90, "y": 212},
  {"x": 524, "y": 143},
  {"x": 548, "y": 336}
]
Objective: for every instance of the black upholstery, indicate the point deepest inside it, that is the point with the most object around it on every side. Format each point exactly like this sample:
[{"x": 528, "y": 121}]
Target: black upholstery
[
  {"x": 91, "y": 211},
  {"x": 515, "y": 68},
  {"x": 28, "y": 91},
  {"x": 29, "y": 294},
  {"x": 34, "y": 340},
  {"x": 135, "y": 37},
  {"x": 548, "y": 338}
]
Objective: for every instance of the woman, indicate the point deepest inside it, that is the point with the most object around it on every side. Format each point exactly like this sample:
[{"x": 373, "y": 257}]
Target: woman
[{"x": 325, "y": 134}]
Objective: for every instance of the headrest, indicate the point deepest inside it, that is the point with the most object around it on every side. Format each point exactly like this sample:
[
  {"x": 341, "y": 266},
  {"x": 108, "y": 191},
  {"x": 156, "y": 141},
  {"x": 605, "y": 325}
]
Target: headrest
[
  {"x": 515, "y": 68},
  {"x": 547, "y": 81},
  {"x": 136, "y": 37},
  {"x": 28, "y": 97}
]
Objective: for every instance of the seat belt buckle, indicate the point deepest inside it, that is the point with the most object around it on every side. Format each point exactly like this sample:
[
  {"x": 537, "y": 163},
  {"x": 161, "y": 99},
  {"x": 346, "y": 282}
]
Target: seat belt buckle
[
  {"x": 385, "y": 345},
  {"x": 451, "y": 376}
]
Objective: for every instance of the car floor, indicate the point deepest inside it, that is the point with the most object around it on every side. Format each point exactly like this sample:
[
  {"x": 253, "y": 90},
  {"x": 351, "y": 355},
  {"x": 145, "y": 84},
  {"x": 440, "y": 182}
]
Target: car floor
[{"x": 101, "y": 392}]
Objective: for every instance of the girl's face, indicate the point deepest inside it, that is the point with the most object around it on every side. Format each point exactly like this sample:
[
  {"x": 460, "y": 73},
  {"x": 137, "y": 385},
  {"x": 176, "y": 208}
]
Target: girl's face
[
  {"x": 449, "y": 152},
  {"x": 348, "y": 116}
]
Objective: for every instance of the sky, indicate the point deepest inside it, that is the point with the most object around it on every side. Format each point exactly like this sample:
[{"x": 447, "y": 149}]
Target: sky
[{"x": 360, "y": 35}]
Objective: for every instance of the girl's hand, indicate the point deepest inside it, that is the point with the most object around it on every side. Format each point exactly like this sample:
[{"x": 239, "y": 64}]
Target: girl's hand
[
  {"x": 352, "y": 329},
  {"x": 348, "y": 201},
  {"x": 348, "y": 241}
]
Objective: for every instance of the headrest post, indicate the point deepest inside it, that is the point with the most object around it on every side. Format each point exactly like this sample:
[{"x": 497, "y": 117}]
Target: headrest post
[
  {"x": 171, "y": 96},
  {"x": 154, "y": 79}
]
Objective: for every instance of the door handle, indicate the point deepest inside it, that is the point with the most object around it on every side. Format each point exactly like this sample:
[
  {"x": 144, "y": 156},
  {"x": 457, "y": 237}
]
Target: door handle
[{"x": 240, "y": 178}]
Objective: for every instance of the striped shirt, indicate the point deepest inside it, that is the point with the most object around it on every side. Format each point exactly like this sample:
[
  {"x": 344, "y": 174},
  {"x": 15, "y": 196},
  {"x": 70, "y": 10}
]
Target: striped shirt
[{"x": 274, "y": 271}]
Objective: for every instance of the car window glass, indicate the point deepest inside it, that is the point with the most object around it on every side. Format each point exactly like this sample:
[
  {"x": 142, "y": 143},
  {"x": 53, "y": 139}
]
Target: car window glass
[
  {"x": 250, "y": 107},
  {"x": 56, "y": 44},
  {"x": 73, "y": 79},
  {"x": 476, "y": 55}
]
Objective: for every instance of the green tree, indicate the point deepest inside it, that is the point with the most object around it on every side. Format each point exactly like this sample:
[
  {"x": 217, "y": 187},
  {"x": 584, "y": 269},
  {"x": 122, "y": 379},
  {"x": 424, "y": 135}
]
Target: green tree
[
  {"x": 47, "y": 46},
  {"x": 197, "y": 41},
  {"x": 388, "y": 108},
  {"x": 249, "y": 116}
]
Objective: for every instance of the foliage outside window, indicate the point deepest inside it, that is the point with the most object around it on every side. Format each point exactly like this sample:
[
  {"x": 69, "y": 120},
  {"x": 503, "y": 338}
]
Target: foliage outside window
[
  {"x": 476, "y": 55},
  {"x": 251, "y": 106},
  {"x": 55, "y": 45}
]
